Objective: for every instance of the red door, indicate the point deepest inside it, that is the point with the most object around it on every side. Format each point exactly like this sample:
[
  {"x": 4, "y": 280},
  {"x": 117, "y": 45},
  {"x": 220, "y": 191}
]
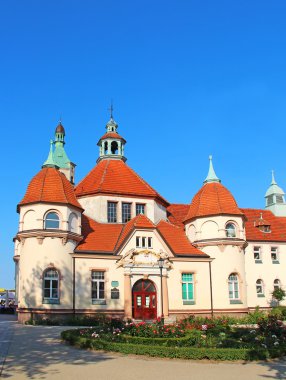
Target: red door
[{"x": 144, "y": 301}]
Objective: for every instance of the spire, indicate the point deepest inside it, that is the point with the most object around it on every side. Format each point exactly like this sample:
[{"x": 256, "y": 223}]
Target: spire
[
  {"x": 211, "y": 177},
  {"x": 273, "y": 182},
  {"x": 50, "y": 163},
  {"x": 275, "y": 200},
  {"x": 60, "y": 155}
]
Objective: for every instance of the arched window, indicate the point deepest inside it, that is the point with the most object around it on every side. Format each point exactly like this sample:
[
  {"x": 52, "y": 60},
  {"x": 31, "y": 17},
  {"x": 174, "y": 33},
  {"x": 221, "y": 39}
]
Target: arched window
[
  {"x": 276, "y": 284},
  {"x": 51, "y": 286},
  {"x": 230, "y": 230},
  {"x": 52, "y": 220},
  {"x": 233, "y": 287},
  {"x": 259, "y": 288}
]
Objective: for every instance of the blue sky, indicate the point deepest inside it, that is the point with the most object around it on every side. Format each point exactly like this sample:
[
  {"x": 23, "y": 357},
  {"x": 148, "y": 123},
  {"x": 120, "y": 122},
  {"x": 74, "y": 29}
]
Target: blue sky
[{"x": 187, "y": 78}]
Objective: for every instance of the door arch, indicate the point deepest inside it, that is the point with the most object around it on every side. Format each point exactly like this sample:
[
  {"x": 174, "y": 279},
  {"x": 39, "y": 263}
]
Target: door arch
[{"x": 144, "y": 300}]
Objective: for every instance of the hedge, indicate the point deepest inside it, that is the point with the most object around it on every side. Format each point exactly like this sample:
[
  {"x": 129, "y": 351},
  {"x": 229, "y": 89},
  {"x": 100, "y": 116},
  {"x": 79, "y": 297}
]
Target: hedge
[{"x": 169, "y": 352}]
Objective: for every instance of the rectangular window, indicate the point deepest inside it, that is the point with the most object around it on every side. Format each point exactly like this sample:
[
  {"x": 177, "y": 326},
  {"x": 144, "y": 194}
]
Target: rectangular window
[
  {"x": 138, "y": 242},
  {"x": 143, "y": 242},
  {"x": 140, "y": 208},
  {"x": 274, "y": 254},
  {"x": 126, "y": 212},
  {"x": 257, "y": 254},
  {"x": 111, "y": 212},
  {"x": 149, "y": 242},
  {"x": 188, "y": 286},
  {"x": 97, "y": 285}
]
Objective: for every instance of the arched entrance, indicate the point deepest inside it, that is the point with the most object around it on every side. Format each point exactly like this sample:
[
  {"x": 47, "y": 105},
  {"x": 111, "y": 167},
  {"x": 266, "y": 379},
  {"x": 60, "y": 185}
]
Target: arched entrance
[{"x": 144, "y": 300}]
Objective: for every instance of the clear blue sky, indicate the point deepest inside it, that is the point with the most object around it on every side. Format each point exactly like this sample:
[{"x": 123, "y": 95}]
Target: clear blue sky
[{"x": 188, "y": 79}]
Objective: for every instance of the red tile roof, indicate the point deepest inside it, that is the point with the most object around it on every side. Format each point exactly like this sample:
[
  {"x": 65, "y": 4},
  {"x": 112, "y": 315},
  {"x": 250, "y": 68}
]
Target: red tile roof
[
  {"x": 213, "y": 199},
  {"x": 177, "y": 240},
  {"x": 112, "y": 135},
  {"x": 99, "y": 237},
  {"x": 253, "y": 232},
  {"x": 50, "y": 186},
  {"x": 109, "y": 238},
  {"x": 114, "y": 177},
  {"x": 177, "y": 214}
]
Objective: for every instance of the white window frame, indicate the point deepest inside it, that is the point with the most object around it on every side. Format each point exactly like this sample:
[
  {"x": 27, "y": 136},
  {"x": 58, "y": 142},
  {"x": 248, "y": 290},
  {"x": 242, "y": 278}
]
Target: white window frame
[
  {"x": 227, "y": 230},
  {"x": 124, "y": 214},
  {"x": 140, "y": 205},
  {"x": 52, "y": 220},
  {"x": 259, "y": 287},
  {"x": 110, "y": 217},
  {"x": 52, "y": 277},
  {"x": 274, "y": 250},
  {"x": 276, "y": 284},
  {"x": 147, "y": 240},
  {"x": 232, "y": 284},
  {"x": 100, "y": 280},
  {"x": 257, "y": 250}
]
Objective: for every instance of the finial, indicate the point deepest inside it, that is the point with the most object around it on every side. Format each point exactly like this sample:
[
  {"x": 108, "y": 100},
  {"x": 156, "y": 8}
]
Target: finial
[
  {"x": 211, "y": 177},
  {"x": 261, "y": 216},
  {"x": 110, "y": 109},
  {"x": 273, "y": 182}
]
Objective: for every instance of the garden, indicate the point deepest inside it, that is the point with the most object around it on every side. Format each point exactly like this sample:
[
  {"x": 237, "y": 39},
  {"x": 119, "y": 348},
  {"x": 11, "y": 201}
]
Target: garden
[{"x": 256, "y": 336}]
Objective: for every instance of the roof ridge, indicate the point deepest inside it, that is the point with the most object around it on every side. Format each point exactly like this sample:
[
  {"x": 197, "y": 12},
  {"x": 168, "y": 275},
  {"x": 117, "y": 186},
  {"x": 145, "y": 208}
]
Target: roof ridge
[
  {"x": 145, "y": 183},
  {"x": 104, "y": 174},
  {"x": 62, "y": 182},
  {"x": 44, "y": 180},
  {"x": 218, "y": 199}
]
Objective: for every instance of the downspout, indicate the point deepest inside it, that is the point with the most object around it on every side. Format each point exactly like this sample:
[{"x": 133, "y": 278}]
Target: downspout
[
  {"x": 211, "y": 288},
  {"x": 73, "y": 288}
]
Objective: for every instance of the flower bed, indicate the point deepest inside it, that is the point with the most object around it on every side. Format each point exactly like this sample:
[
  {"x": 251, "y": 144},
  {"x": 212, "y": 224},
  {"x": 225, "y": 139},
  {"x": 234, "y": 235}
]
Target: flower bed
[{"x": 214, "y": 340}]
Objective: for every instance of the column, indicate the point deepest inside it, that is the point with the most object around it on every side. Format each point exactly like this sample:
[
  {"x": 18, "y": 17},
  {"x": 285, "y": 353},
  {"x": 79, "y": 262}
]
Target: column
[
  {"x": 109, "y": 147},
  {"x": 119, "y": 148},
  {"x": 127, "y": 296},
  {"x": 165, "y": 296}
]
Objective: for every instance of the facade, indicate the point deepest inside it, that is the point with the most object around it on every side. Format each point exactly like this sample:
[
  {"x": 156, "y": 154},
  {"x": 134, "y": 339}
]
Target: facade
[{"x": 113, "y": 244}]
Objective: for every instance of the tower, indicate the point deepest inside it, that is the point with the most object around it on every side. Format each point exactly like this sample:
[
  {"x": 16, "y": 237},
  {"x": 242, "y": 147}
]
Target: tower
[{"x": 275, "y": 198}]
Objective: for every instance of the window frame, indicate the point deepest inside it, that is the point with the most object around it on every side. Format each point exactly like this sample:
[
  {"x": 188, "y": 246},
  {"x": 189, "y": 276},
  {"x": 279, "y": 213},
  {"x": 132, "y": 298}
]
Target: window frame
[
  {"x": 257, "y": 250},
  {"x": 123, "y": 212},
  {"x": 227, "y": 233},
  {"x": 98, "y": 299},
  {"x": 260, "y": 284},
  {"x": 276, "y": 259},
  {"x": 276, "y": 285},
  {"x": 139, "y": 205},
  {"x": 110, "y": 217},
  {"x": 185, "y": 283},
  {"x": 232, "y": 290},
  {"x": 46, "y": 218},
  {"x": 51, "y": 299}
]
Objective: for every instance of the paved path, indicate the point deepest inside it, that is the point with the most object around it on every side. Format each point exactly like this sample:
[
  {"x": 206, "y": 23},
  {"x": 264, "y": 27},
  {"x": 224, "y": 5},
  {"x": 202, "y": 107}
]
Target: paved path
[{"x": 37, "y": 353}]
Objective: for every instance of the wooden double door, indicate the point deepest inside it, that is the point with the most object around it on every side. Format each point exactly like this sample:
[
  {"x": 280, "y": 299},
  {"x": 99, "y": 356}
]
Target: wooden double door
[{"x": 144, "y": 300}]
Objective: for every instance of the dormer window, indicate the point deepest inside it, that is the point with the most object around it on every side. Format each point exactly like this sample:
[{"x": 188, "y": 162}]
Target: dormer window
[
  {"x": 52, "y": 221},
  {"x": 230, "y": 230}
]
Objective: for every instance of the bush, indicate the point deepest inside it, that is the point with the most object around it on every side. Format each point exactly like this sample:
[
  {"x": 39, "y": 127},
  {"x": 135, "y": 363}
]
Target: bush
[{"x": 165, "y": 351}]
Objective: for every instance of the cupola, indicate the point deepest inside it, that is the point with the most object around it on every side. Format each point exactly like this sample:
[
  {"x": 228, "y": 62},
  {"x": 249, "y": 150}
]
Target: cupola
[
  {"x": 275, "y": 198},
  {"x": 111, "y": 145}
]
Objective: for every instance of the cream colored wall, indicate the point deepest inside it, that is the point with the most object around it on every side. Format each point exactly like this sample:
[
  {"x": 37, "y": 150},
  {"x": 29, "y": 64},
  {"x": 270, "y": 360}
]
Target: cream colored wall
[
  {"x": 201, "y": 285},
  {"x": 227, "y": 259},
  {"x": 266, "y": 271},
  {"x": 83, "y": 283},
  {"x": 35, "y": 258},
  {"x": 32, "y": 216},
  {"x": 96, "y": 207},
  {"x": 213, "y": 227}
]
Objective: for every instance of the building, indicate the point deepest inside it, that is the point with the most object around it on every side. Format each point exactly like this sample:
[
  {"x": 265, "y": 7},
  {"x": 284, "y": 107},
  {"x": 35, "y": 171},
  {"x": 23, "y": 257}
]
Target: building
[{"x": 95, "y": 247}]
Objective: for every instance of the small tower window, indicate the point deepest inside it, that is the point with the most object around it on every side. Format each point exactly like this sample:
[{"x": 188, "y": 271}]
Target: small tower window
[
  {"x": 106, "y": 147},
  {"x": 52, "y": 221},
  {"x": 126, "y": 212},
  {"x": 279, "y": 199},
  {"x": 230, "y": 230},
  {"x": 111, "y": 212}
]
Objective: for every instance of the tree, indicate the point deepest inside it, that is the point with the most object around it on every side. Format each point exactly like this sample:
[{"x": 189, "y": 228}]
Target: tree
[{"x": 278, "y": 294}]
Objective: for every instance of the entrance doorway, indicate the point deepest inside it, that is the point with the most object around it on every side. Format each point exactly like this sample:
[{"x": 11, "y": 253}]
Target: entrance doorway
[{"x": 144, "y": 300}]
